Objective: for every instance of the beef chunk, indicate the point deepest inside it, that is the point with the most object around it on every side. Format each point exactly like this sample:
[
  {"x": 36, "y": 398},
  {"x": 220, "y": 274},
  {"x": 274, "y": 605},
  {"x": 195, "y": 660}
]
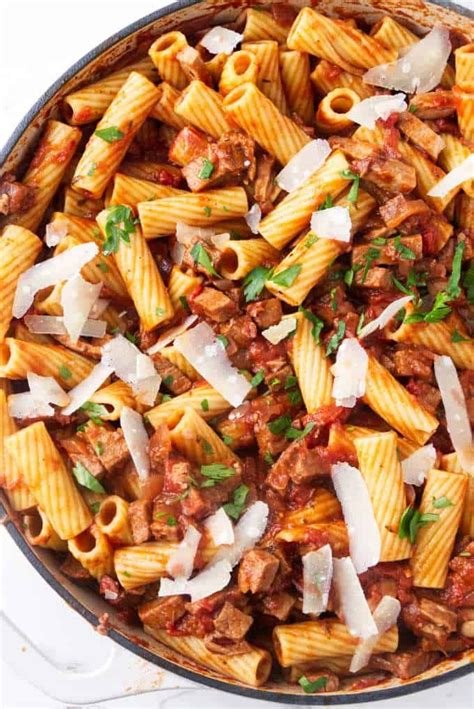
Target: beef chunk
[
  {"x": 74, "y": 570},
  {"x": 299, "y": 463},
  {"x": 178, "y": 473},
  {"x": 188, "y": 145},
  {"x": 79, "y": 450},
  {"x": 266, "y": 312},
  {"x": 15, "y": 197},
  {"x": 162, "y": 612},
  {"x": 216, "y": 600},
  {"x": 231, "y": 155},
  {"x": 110, "y": 445},
  {"x": 214, "y": 304},
  {"x": 396, "y": 210},
  {"x": 240, "y": 330},
  {"x": 428, "y": 396},
  {"x": 411, "y": 361},
  {"x": 257, "y": 571},
  {"x": 225, "y": 646},
  {"x": 232, "y": 623},
  {"x": 430, "y": 620},
  {"x": 193, "y": 66},
  {"x": 172, "y": 377},
  {"x": 139, "y": 515},
  {"x": 404, "y": 664},
  {"x": 159, "y": 448},
  {"x": 278, "y": 604},
  {"x": 265, "y": 190}
]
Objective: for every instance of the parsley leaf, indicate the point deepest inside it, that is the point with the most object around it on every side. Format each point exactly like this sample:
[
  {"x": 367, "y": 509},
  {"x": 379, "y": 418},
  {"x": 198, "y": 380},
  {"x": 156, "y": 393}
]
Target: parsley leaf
[
  {"x": 333, "y": 300},
  {"x": 296, "y": 434},
  {"x": 291, "y": 381},
  {"x": 287, "y": 277},
  {"x": 95, "y": 507},
  {"x": 200, "y": 256},
  {"x": 168, "y": 380},
  {"x": 310, "y": 687},
  {"x": 350, "y": 273},
  {"x": 370, "y": 256},
  {"x": 354, "y": 191},
  {"x": 438, "y": 312},
  {"x": 257, "y": 378},
  {"x": 412, "y": 520},
  {"x": 295, "y": 397},
  {"x": 280, "y": 424},
  {"x": 457, "y": 337},
  {"x": 268, "y": 458},
  {"x": 223, "y": 340},
  {"x": 171, "y": 521},
  {"x": 254, "y": 282},
  {"x": 64, "y": 372},
  {"x": 86, "y": 479},
  {"x": 92, "y": 169},
  {"x": 398, "y": 284},
  {"x": 327, "y": 204},
  {"x": 205, "y": 405},
  {"x": 468, "y": 284},
  {"x": 412, "y": 108},
  {"x": 312, "y": 239},
  {"x": 317, "y": 323},
  {"x": 404, "y": 252},
  {"x": 131, "y": 338},
  {"x": 184, "y": 303},
  {"x": 453, "y": 290},
  {"x": 110, "y": 134},
  {"x": 235, "y": 507},
  {"x": 228, "y": 440},
  {"x": 336, "y": 339},
  {"x": 94, "y": 411},
  {"x": 215, "y": 472},
  {"x": 441, "y": 502},
  {"x": 102, "y": 266},
  {"x": 207, "y": 211},
  {"x": 119, "y": 224},
  {"x": 206, "y": 170}
]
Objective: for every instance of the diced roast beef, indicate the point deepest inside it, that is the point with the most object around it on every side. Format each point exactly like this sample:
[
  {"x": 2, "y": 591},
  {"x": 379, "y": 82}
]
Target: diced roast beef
[
  {"x": 231, "y": 622},
  {"x": 171, "y": 376},
  {"x": 213, "y": 304},
  {"x": 257, "y": 571},
  {"x": 139, "y": 515},
  {"x": 266, "y": 312},
  {"x": 162, "y": 612},
  {"x": 14, "y": 196},
  {"x": 404, "y": 664},
  {"x": 109, "y": 444},
  {"x": 80, "y": 450}
]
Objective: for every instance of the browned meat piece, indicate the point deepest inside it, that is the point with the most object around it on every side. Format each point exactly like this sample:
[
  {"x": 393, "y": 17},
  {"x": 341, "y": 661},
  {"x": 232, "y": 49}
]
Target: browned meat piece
[
  {"x": 164, "y": 524},
  {"x": 265, "y": 190},
  {"x": 193, "y": 66},
  {"x": 388, "y": 253},
  {"x": 162, "y": 612},
  {"x": 200, "y": 503},
  {"x": 459, "y": 587},
  {"x": 239, "y": 430},
  {"x": 427, "y": 395},
  {"x": 74, "y": 570},
  {"x": 268, "y": 443},
  {"x": 109, "y": 444},
  {"x": 278, "y": 604},
  {"x": 435, "y": 104},
  {"x": 214, "y": 304},
  {"x": 89, "y": 348},
  {"x": 333, "y": 304},
  {"x": 412, "y": 361},
  {"x": 139, "y": 515},
  {"x": 266, "y": 312},
  {"x": 242, "y": 330},
  {"x": 420, "y": 134},
  {"x": 397, "y": 209},
  {"x": 14, "y": 197},
  {"x": 404, "y": 664},
  {"x": 283, "y": 13},
  {"x": 376, "y": 277},
  {"x": 231, "y": 155},
  {"x": 161, "y": 173},
  {"x": 217, "y": 600},
  {"x": 299, "y": 463},
  {"x": 356, "y": 149},
  {"x": 80, "y": 451},
  {"x": 467, "y": 383},
  {"x": 389, "y": 174},
  {"x": 188, "y": 145},
  {"x": 257, "y": 571},
  {"x": 232, "y": 623},
  {"x": 266, "y": 356},
  {"x": 159, "y": 448},
  {"x": 178, "y": 474},
  {"x": 172, "y": 377},
  {"x": 225, "y": 646},
  {"x": 430, "y": 620}
]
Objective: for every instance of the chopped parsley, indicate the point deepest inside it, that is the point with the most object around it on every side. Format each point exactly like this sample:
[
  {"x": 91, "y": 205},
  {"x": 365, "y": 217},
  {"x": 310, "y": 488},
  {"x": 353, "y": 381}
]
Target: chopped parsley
[
  {"x": 165, "y": 397},
  {"x": 398, "y": 284},
  {"x": 268, "y": 458},
  {"x": 295, "y": 397},
  {"x": 312, "y": 239},
  {"x": 110, "y": 134},
  {"x": 95, "y": 507},
  {"x": 311, "y": 687},
  {"x": 280, "y": 425},
  {"x": 457, "y": 337},
  {"x": 453, "y": 290},
  {"x": 206, "y": 170},
  {"x": 207, "y": 211},
  {"x": 184, "y": 302},
  {"x": 234, "y": 508},
  {"x": 171, "y": 521},
  {"x": 131, "y": 338},
  {"x": 168, "y": 380},
  {"x": 201, "y": 257},
  {"x": 333, "y": 300},
  {"x": 254, "y": 282},
  {"x": 287, "y": 277},
  {"x": 412, "y": 108},
  {"x": 94, "y": 412},
  {"x": 206, "y": 446},
  {"x": 291, "y": 381},
  {"x": 92, "y": 169},
  {"x": 379, "y": 241},
  {"x": 85, "y": 478},
  {"x": 354, "y": 190},
  {"x": 317, "y": 323},
  {"x": 216, "y": 472},
  {"x": 257, "y": 378},
  {"x": 403, "y": 251},
  {"x": 371, "y": 255},
  {"x": 228, "y": 440},
  {"x": 437, "y": 313},
  {"x": 412, "y": 520},
  {"x": 336, "y": 339},
  {"x": 64, "y": 372},
  {"x": 120, "y": 223},
  {"x": 99, "y": 448},
  {"x": 205, "y": 405},
  {"x": 160, "y": 311},
  {"x": 350, "y": 273},
  {"x": 223, "y": 340},
  {"x": 468, "y": 284},
  {"x": 296, "y": 434},
  {"x": 327, "y": 204},
  {"x": 102, "y": 266},
  {"x": 441, "y": 502},
  {"x": 360, "y": 324}
]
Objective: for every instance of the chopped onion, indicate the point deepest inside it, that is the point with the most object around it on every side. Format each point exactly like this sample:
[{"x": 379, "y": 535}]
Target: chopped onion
[
  {"x": 350, "y": 372},
  {"x": 417, "y": 466},
  {"x": 370, "y": 109},
  {"x": 317, "y": 577},
  {"x": 385, "y": 316},
  {"x": 49, "y": 273},
  {"x": 136, "y": 439},
  {"x": 25, "y": 406},
  {"x": 455, "y": 177},
  {"x": 220, "y": 528},
  {"x": 220, "y": 240},
  {"x": 420, "y": 69},
  {"x": 277, "y": 333},
  {"x": 124, "y": 358},
  {"x": 185, "y": 233},
  {"x": 457, "y": 417},
  {"x": 77, "y": 298},
  {"x": 47, "y": 389},
  {"x": 353, "y": 603},
  {"x": 55, "y": 233},
  {"x": 84, "y": 390},
  {"x": 385, "y": 616},
  {"x": 254, "y": 217},
  {"x": 54, "y": 325},
  {"x": 333, "y": 223},
  {"x": 169, "y": 335},
  {"x": 208, "y": 357},
  {"x": 181, "y": 562},
  {"x": 303, "y": 164},
  {"x": 213, "y": 578},
  {"x": 364, "y": 536},
  {"x": 220, "y": 40}
]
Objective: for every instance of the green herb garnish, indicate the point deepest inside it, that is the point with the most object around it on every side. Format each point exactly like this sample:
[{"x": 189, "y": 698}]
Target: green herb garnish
[
  {"x": 119, "y": 224},
  {"x": 280, "y": 425},
  {"x": 287, "y": 277},
  {"x": 94, "y": 412},
  {"x": 216, "y": 472},
  {"x": 110, "y": 134},
  {"x": 85, "y": 478},
  {"x": 254, "y": 282},
  {"x": 223, "y": 340},
  {"x": 441, "y": 502},
  {"x": 206, "y": 170},
  {"x": 234, "y": 508},
  {"x": 336, "y": 339},
  {"x": 201, "y": 256},
  {"x": 412, "y": 520},
  {"x": 296, "y": 434},
  {"x": 65, "y": 372},
  {"x": 205, "y": 405},
  {"x": 403, "y": 251},
  {"x": 317, "y": 323},
  {"x": 257, "y": 378},
  {"x": 311, "y": 687},
  {"x": 354, "y": 191}
]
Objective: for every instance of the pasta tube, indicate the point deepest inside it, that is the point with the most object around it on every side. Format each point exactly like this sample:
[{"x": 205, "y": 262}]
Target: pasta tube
[
  {"x": 93, "y": 551},
  {"x": 171, "y": 411},
  {"x": 239, "y": 68},
  {"x": 202, "y": 107},
  {"x": 197, "y": 441},
  {"x": 180, "y": 286},
  {"x": 19, "y": 496},
  {"x": 326, "y": 77},
  {"x": 130, "y": 191},
  {"x": 451, "y": 462},
  {"x": 464, "y": 59},
  {"x": 164, "y": 108},
  {"x": 261, "y": 25},
  {"x": 163, "y": 53},
  {"x": 311, "y": 366},
  {"x": 268, "y": 77},
  {"x": 39, "y": 532},
  {"x": 112, "y": 520},
  {"x": 240, "y": 257},
  {"x": 295, "y": 75},
  {"x": 331, "y": 116}
]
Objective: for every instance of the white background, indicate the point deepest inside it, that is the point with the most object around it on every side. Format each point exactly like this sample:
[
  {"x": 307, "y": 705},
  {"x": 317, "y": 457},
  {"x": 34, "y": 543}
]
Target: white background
[{"x": 38, "y": 42}]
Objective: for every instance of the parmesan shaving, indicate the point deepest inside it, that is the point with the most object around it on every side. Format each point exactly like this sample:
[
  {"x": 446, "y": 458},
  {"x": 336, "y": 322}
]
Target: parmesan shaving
[
  {"x": 220, "y": 528},
  {"x": 220, "y": 40},
  {"x": 277, "y": 333},
  {"x": 186, "y": 233},
  {"x": 181, "y": 562},
  {"x": 352, "y": 602},
  {"x": 55, "y": 233},
  {"x": 213, "y": 578},
  {"x": 317, "y": 577},
  {"x": 333, "y": 223},
  {"x": 47, "y": 389},
  {"x": 54, "y": 325},
  {"x": 207, "y": 356},
  {"x": 220, "y": 240},
  {"x": 385, "y": 316},
  {"x": 247, "y": 532},
  {"x": 25, "y": 406},
  {"x": 136, "y": 439},
  {"x": 253, "y": 218},
  {"x": 385, "y": 616},
  {"x": 417, "y": 466},
  {"x": 169, "y": 335},
  {"x": 459, "y": 174},
  {"x": 44, "y": 391},
  {"x": 368, "y": 111},
  {"x": 127, "y": 362},
  {"x": 350, "y": 373},
  {"x": 84, "y": 390},
  {"x": 306, "y": 161},
  {"x": 77, "y": 298}
]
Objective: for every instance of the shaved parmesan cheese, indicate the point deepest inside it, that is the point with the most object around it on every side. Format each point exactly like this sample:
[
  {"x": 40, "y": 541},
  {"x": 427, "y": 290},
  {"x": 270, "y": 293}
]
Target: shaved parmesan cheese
[
  {"x": 136, "y": 439},
  {"x": 46, "y": 389},
  {"x": 247, "y": 532},
  {"x": 55, "y": 233},
  {"x": 353, "y": 603},
  {"x": 25, "y": 406},
  {"x": 385, "y": 316},
  {"x": 350, "y": 372},
  {"x": 416, "y": 467},
  {"x": 54, "y": 325},
  {"x": 185, "y": 233},
  {"x": 220, "y": 528},
  {"x": 181, "y": 562},
  {"x": 127, "y": 362},
  {"x": 110, "y": 595},
  {"x": 420, "y": 69},
  {"x": 364, "y": 536},
  {"x": 253, "y": 218},
  {"x": 317, "y": 577},
  {"x": 220, "y": 40},
  {"x": 303, "y": 164},
  {"x": 99, "y": 307},
  {"x": 49, "y": 273},
  {"x": 457, "y": 417},
  {"x": 277, "y": 333},
  {"x": 77, "y": 298},
  {"x": 213, "y": 578},
  {"x": 220, "y": 240},
  {"x": 169, "y": 335},
  {"x": 84, "y": 390},
  {"x": 456, "y": 176},
  {"x": 177, "y": 252},
  {"x": 385, "y": 616},
  {"x": 366, "y": 112},
  {"x": 208, "y": 357},
  {"x": 333, "y": 223}
]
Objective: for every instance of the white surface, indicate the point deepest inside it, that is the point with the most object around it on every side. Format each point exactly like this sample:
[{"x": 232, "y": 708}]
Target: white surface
[{"x": 38, "y": 41}]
